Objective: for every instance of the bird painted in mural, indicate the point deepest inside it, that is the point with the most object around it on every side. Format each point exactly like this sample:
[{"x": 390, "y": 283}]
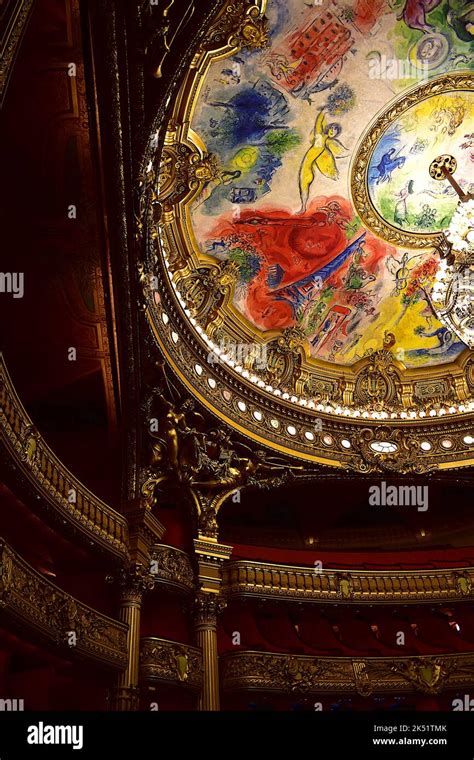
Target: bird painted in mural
[{"x": 321, "y": 156}]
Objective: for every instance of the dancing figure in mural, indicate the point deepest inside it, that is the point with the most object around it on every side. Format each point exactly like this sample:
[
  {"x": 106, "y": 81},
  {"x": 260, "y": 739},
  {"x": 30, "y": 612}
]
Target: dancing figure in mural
[{"x": 321, "y": 156}]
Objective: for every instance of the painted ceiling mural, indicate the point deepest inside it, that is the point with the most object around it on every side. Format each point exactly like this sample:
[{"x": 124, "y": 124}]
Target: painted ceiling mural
[{"x": 285, "y": 122}]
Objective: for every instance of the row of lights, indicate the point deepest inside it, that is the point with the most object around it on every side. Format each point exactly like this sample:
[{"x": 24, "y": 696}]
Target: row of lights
[{"x": 381, "y": 447}]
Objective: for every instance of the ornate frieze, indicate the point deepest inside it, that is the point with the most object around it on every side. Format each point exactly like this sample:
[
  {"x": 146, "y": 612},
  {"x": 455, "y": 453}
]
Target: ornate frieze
[
  {"x": 30, "y": 599},
  {"x": 303, "y": 674}
]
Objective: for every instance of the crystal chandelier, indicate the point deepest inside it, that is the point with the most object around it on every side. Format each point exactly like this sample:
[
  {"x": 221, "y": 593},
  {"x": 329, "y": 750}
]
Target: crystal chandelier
[{"x": 453, "y": 293}]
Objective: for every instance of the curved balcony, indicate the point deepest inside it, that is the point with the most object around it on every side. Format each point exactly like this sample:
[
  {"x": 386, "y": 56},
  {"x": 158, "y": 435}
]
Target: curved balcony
[
  {"x": 302, "y": 674},
  {"x": 258, "y": 579},
  {"x": 52, "y": 481},
  {"x": 171, "y": 567},
  {"x": 30, "y": 600}
]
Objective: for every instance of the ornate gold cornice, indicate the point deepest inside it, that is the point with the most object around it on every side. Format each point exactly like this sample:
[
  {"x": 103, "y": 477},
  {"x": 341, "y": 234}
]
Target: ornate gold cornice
[
  {"x": 266, "y": 580},
  {"x": 54, "y": 484},
  {"x": 171, "y": 567},
  {"x": 302, "y": 674},
  {"x": 304, "y": 430},
  {"x": 170, "y": 662},
  {"x": 14, "y": 23},
  {"x": 32, "y": 601}
]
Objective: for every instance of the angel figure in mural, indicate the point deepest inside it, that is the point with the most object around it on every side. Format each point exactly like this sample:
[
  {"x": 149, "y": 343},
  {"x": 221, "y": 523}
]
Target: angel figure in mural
[{"x": 321, "y": 156}]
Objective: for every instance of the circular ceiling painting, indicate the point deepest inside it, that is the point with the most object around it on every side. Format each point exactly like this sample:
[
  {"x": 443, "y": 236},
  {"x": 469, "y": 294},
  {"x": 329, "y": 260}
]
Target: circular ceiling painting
[
  {"x": 284, "y": 121},
  {"x": 291, "y": 225}
]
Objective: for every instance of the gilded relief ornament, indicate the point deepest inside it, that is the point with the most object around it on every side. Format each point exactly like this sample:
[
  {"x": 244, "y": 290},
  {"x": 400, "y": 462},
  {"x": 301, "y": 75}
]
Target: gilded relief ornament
[
  {"x": 284, "y": 359},
  {"x": 345, "y": 586},
  {"x": 239, "y": 25},
  {"x": 363, "y": 684},
  {"x": 205, "y": 462},
  {"x": 387, "y": 449},
  {"x": 428, "y": 675},
  {"x": 166, "y": 661},
  {"x": 378, "y": 385},
  {"x": 206, "y": 289},
  {"x": 462, "y": 583}
]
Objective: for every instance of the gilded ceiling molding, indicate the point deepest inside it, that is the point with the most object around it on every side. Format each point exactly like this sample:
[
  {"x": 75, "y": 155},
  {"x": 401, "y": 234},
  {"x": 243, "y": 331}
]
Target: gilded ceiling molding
[
  {"x": 166, "y": 661},
  {"x": 171, "y": 567},
  {"x": 14, "y": 21},
  {"x": 447, "y": 83},
  {"x": 31, "y": 600},
  {"x": 53, "y": 482},
  {"x": 300, "y": 406},
  {"x": 261, "y": 580},
  {"x": 297, "y": 430},
  {"x": 281, "y": 673}
]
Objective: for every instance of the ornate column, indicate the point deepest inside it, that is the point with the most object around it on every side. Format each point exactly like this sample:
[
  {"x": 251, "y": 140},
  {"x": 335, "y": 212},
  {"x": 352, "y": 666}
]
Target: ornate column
[
  {"x": 208, "y": 604},
  {"x": 135, "y": 581}
]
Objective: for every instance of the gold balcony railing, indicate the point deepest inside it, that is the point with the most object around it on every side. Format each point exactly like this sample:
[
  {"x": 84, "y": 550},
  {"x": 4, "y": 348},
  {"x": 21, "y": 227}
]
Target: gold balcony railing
[
  {"x": 31, "y": 600},
  {"x": 171, "y": 567},
  {"x": 317, "y": 584},
  {"x": 52, "y": 481},
  {"x": 265, "y": 671},
  {"x": 164, "y": 660}
]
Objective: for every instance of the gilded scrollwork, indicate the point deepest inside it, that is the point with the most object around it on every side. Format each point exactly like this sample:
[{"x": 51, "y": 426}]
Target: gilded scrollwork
[
  {"x": 169, "y": 565},
  {"x": 30, "y": 598},
  {"x": 428, "y": 674},
  {"x": 287, "y": 673},
  {"x": 239, "y": 25},
  {"x": 207, "y": 463},
  {"x": 378, "y": 384},
  {"x": 206, "y": 289},
  {"x": 387, "y": 449}
]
